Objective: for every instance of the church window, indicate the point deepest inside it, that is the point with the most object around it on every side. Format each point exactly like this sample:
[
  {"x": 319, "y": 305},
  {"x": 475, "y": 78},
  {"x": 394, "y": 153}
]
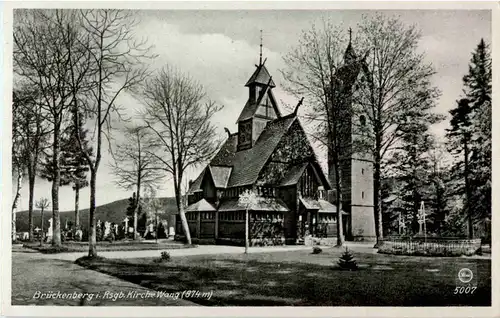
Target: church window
[
  {"x": 362, "y": 171},
  {"x": 362, "y": 194}
]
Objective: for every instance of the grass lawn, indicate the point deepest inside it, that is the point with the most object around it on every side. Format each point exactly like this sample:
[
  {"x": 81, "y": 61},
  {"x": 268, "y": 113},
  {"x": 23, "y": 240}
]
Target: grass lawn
[
  {"x": 299, "y": 278},
  {"x": 104, "y": 246}
]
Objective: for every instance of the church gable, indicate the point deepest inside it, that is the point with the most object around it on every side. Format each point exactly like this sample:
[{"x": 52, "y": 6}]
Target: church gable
[
  {"x": 267, "y": 107},
  {"x": 294, "y": 148}
]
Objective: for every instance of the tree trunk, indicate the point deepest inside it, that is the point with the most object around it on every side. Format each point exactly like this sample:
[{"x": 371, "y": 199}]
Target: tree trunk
[
  {"x": 19, "y": 186},
  {"x": 92, "y": 219},
  {"x": 182, "y": 214},
  {"x": 136, "y": 209},
  {"x": 468, "y": 192},
  {"x": 338, "y": 185},
  {"x": 41, "y": 227},
  {"x": 56, "y": 231},
  {"x": 77, "y": 201},
  {"x": 31, "y": 186},
  {"x": 377, "y": 202}
]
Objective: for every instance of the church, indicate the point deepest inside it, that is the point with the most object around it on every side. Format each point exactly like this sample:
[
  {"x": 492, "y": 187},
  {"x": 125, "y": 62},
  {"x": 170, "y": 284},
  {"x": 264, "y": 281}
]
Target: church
[{"x": 271, "y": 155}]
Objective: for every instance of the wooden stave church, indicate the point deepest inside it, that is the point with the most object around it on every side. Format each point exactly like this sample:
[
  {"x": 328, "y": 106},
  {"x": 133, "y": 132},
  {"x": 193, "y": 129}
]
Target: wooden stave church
[{"x": 271, "y": 155}]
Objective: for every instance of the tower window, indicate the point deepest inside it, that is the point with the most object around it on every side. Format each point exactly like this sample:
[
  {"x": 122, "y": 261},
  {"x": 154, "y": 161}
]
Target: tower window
[
  {"x": 362, "y": 194},
  {"x": 362, "y": 120},
  {"x": 362, "y": 171}
]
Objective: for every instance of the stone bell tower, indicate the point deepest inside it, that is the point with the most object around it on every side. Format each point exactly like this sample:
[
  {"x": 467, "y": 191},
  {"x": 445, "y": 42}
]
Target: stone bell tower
[{"x": 355, "y": 161}]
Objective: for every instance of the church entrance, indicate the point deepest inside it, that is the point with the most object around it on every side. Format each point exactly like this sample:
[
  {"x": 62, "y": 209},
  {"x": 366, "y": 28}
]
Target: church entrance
[{"x": 307, "y": 223}]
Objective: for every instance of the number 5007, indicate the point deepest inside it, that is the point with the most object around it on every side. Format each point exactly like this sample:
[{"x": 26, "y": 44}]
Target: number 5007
[{"x": 465, "y": 290}]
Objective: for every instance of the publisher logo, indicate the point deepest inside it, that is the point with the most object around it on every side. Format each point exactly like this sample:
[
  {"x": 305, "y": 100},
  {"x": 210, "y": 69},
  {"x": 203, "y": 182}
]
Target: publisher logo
[{"x": 465, "y": 275}]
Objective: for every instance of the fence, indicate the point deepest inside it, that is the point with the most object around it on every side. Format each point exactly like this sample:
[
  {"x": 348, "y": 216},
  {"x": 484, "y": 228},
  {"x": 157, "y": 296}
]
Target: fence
[{"x": 430, "y": 246}]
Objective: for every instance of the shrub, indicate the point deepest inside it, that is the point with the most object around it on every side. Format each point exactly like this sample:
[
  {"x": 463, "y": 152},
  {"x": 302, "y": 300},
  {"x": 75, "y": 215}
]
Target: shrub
[
  {"x": 165, "y": 256},
  {"x": 347, "y": 262},
  {"x": 317, "y": 250}
]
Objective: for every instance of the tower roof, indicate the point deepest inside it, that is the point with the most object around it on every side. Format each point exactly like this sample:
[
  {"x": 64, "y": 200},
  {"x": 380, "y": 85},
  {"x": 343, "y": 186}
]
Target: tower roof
[
  {"x": 260, "y": 76},
  {"x": 349, "y": 54}
]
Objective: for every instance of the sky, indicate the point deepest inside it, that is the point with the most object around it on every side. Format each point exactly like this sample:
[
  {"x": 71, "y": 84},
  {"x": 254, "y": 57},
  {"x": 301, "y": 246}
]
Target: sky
[{"x": 220, "y": 48}]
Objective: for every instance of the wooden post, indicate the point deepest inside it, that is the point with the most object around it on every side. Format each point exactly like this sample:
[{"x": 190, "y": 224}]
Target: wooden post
[
  {"x": 42, "y": 235},
  {"x": 247, "y": 243},
  {"x": 216, "y": 235},
  {"x": 198, "y": 225}
]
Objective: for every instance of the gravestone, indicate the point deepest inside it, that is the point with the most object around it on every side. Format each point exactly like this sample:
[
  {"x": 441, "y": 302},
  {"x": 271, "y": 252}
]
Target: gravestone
[{"x": 107, "y": 229}]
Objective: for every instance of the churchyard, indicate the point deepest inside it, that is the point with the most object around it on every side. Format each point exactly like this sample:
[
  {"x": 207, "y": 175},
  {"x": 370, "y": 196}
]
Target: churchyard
[{"x": 300, "y": 278}]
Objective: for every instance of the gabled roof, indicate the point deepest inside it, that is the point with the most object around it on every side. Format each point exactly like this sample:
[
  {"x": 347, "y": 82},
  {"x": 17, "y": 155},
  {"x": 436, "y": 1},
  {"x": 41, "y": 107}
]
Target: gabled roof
[
  {"x": 349, "y": 54},
  {"x": 248, "y": 163},
  {"x": 322, "y": 206},
  {"x": 251, "y": 107},
  {"x": 262, "y": 204},
  {"x": 220, "y": 175},
  {"x": 196, "y": 185},
  {"x": 260, "y": 76},
  {"x": 293, "y": 175},
  {"x": 201, "y": 206}
]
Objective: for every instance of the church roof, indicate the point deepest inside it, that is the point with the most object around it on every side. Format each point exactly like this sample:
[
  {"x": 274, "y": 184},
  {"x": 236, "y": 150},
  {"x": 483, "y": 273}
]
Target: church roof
[
  {"x": 248, "y": 163},
  {"x": 322, "y": 206},
  {"x": 220, "y": 175},
  {"x": 260, "y": 76},
  {"x": 350, "y": 55},
  {"x": 196, "y": 185},
  {"x": 201, "y": 206},
  {"x": 293, "y": 175},
  {"x": 262, "y": 204},
  {"x": 251, "y": 107},
  {"x": 238, "y": 168}
]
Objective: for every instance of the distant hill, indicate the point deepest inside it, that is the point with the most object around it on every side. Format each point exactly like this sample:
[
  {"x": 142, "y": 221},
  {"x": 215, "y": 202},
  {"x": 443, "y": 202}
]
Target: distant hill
[{"x": 111, "y": 212}]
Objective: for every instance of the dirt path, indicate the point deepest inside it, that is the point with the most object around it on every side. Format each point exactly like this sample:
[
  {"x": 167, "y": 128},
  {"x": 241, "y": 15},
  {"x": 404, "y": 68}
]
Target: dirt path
[{"x": 34, "y": 277}]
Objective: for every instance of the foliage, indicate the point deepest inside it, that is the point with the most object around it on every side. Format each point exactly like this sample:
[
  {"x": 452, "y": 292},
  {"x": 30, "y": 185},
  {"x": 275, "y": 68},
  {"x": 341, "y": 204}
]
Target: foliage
[
  {"x": 347, "y": 261},
  {"x": 469, "y": 140},
  {"x": 317, "y": 250},
  {"x": 164, "y": 257}
]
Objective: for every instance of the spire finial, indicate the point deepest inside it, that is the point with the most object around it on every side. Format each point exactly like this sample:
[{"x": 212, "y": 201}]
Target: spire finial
[
  {"x": 350, "y": 35},
  {"x": 260, "y": 59}
]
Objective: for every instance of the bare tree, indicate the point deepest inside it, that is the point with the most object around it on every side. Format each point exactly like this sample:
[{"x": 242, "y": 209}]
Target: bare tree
[
  {"x": 179, "y": 116},
  {"x": 134, "y": 165},
  {"x": 42, "y": 42},
  {"x": 395, "y": 86},
  {"x": 117, "y": 66},
  {"x": 42, "y": 204},
  {"x": 321, "y": 69}
]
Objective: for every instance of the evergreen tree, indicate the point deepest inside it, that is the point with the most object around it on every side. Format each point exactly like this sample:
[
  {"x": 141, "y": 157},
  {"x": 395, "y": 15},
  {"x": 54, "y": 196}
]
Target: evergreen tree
[
  {"x": 469, "y": 139},
  {"x": 440, "y": 194},
  {"x": 478, "y": 81},
  {"x": 347, "y": 261},
  {"x": 72, "y": 162},
  {"x": 478, "y": 90},
  {"x": 459, "y": 141},
  {"x": 77, "y": 164},
  {"x": 411, "y": 162}
]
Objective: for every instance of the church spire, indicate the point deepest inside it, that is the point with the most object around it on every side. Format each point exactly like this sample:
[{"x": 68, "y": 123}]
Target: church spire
[
  {"x": 349, "y": 55},
  {"x": 260, "y": 56}
]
